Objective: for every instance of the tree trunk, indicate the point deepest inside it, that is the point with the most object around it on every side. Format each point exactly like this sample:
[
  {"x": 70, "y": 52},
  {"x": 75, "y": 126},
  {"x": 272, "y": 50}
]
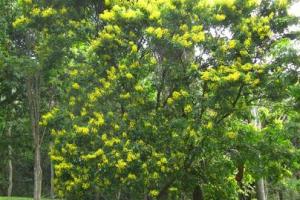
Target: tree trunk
[
  {"x": 10, "y": 167},
  {"x": 280, "y": 195},
  {"x": 33, "y": 95},
  {"x": 37, "y": 173},
  {"x": 239, "y": 179},
  {"x": 52, "y": 194},
  {"x": 260, "y": 187},
  {"x": 197, "y": 193},
  {"x": 260, "y": 190}
]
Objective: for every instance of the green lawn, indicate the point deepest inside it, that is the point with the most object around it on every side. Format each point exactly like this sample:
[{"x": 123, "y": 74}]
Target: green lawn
[{"x": 17, "y": 198}]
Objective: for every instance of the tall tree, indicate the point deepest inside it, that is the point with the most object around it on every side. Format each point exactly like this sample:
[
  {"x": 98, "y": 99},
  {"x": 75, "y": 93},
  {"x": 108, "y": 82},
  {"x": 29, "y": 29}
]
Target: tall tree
[{"x": 163, "y": 96}]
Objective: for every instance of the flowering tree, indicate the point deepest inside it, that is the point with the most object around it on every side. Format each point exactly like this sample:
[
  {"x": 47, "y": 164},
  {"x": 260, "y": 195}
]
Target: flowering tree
[{"x": 159, "y": 100}]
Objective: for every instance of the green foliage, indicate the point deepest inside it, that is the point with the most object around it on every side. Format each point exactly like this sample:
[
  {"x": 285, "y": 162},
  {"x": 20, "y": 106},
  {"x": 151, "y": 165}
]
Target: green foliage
[
  {"x": 153, "y": 98},
  {"x": 159, "y": 101}
]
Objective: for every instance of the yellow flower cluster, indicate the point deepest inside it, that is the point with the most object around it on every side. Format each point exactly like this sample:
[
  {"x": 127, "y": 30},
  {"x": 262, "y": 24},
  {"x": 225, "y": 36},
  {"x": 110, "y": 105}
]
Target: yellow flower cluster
[
  {"x": 111, "y": 73},
  {"x": 73, "y": 72},
  {"x": 21, "y": 21},
  {"x": 109, "y": 142},
  {"x": 188, "y": 108},
  {"x": 93, "y": 96},
  {"x": 176, "y": 95},
  {"x": 131, "y": 14},
  {"x": 131, "y": 156},
  {"x": 75, "y": 86},
  {"x": 48, "y": 117},
  {"x": 157, "y": 32},
  {"x": 129, "y": 75},
  {"x": 131, "y": 176},
  {"x": 210, "y": 75},
  {"x": 58, "y": 132},
  {"x": 220, "y": 17},
  {"x": 213, "y": 3},
  {"x": 59, "y": 168},
  {"x": 233, "y": 77},
  {"x": 81, "y": 129},
  {"x": 35, "y": 11},
  {"x": 231, "y": 44},
  {"x": 139, "y": 88},
  {"x": 209, "y": 125},
  {"x": 71, "y": 148},
  {"x": 98, "y": 119},
  {"x": 154, "y": 193},
  {"x": 121, "y": 164},
  {"x": 48, "y": 12},
  {"x": 107, "y": 15},
  {"x": 231, "y": 135},
  {"x": 125, "y": 95},
  {"x": 94, "y": 155}
]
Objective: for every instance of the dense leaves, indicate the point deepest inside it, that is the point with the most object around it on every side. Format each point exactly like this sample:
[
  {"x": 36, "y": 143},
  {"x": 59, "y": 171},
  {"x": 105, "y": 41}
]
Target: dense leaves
[{"x": 160, "y": 99}]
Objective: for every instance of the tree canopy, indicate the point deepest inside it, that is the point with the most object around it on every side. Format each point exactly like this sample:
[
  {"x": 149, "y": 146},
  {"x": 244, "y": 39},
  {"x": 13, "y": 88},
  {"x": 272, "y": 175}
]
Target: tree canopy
[{"x": 157, "y": 99}]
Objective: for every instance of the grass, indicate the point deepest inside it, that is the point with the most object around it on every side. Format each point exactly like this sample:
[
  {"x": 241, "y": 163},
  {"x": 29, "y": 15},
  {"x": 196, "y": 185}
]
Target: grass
[
  {"x": 14, "y": 198},
  {"x": 17, "y": 198}
]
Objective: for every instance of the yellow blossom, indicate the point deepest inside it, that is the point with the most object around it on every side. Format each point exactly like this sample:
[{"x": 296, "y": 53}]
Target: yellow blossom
[
  {"x": 81, "y": 129},
  {"x": 150, "y": 30},
  {"x": 73, "y": 72},
  {"x": 131, "y": 176},
  {"x": 188, "y": 108},
  {"x": 220, "y": 17},
  {"x": 98, "y": 120},
  {"x": 85, "y": 185},
  {"x": 63, "y": 10},
  {"x": 131, "y": 124},
  {"x": 170, "y": 101},
  {"x": 111, "y": 73},
  {"x": 231, "y": 44},
  {"x": 198, "y": 37},
  {"x": 233, "y": 77},
  {"x": 255, "y": 82},
  {"x": 205, "y": 76},
  {"x": 104, "y": 137},
  {"x": 131, "y": 157},
  {"x": 248, "y": 42},
  {"x": 75, "y": 86},
  {"x": 139, "y": 88},
  {"x": 121, "y": 164},
  {"x": 176, "y": 95},
  {"x": 107, "y": 15},
  {"x": 243, "y": 52},
  {"x": 155, "y": 14},
  {"x": 125, "y": 95},
  {"x": 131, "y": 14},
  {"x": 48, "y": 12},
  {"x": 134, "y": 48},
  {"x": 21, "y": 21},
  {"x": 35, "y": 11},
  {"x": 231, "y": 135},
  {"x": 154, "y": 193},
  {"x": 129, "y": 75},
  {"x": 209, "y": 125}
]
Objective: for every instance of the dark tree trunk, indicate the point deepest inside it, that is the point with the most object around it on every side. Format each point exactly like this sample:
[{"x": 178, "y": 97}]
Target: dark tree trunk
[
  {"x": 52, "y": 192},
  {"x": 280, "y": 195},
  {"x": 197, "y": 193},
  {"x": 10, "y": 166},
  {"x": 33, "y": 95}
]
